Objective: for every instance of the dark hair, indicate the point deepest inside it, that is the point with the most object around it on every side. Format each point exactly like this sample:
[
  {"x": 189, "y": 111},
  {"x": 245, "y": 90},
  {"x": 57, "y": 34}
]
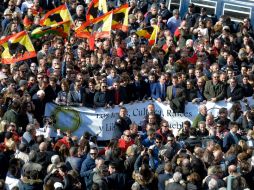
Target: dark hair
[{"x": 187, "y": 123}]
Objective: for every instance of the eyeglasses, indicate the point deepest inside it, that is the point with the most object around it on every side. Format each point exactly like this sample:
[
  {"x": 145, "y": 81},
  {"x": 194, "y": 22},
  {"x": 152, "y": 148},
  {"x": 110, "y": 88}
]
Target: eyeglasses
[
  {"x": 104, "y": 86},
  {"x": 158, "y": 142},
  {"x": 93, "y": 153},
  {"x": 127, "y": 135},
  {"x": 57, "y": 68}
]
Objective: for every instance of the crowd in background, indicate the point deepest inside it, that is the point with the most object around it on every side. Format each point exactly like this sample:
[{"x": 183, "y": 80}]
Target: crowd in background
[{"x": 196, "y": 58}]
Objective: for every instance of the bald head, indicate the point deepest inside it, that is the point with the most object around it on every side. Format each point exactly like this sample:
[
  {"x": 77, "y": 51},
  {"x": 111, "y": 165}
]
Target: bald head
[
  {"x": 43, "y": 147},
  {"x": 232, "y": 169},
  {"x": 218, "y": 155}
]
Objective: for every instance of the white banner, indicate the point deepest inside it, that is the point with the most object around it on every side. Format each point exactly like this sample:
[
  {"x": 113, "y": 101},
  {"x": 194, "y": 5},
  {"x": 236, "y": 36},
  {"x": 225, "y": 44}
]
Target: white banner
[{"x": 101, "y": 121}]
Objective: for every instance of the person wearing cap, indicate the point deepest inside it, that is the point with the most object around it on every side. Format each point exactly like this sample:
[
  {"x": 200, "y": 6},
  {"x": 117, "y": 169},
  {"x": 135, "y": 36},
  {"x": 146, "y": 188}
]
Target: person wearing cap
[
  {"x": 7, "y": 19},
  {"x": 172, "y": 144},
  {"x": 163, "y": 11},
  {"x": 190, "y": 16}
]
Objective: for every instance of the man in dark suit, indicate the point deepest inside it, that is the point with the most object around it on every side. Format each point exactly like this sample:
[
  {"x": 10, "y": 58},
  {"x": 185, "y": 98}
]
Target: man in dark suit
[
  {"x": 176, "y": 95},
  {"x": 232, "y": 137},
  {"x": 76, "y": 96},
  {"x": 89, "y": 94},
  {"x": 214, "y": 89},
  {"x": 159, "y": 89},
  {"x": 140, "y": 88},
  {"x": 234, "y": 91}
]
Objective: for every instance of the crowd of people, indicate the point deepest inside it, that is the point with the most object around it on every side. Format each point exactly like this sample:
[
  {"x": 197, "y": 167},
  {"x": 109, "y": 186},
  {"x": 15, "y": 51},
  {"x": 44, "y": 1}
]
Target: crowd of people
[{"x": 196, "y": 58}]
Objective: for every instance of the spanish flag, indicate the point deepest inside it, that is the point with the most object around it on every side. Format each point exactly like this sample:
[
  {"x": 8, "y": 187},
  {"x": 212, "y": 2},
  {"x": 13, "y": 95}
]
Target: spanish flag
[
  {"x": 98, "y": 28},
  {"x": 56, "y": 15},
  {"x": 145, "y": 32},
  {"x": 153, "y": 36},
  {"x": 93, "y": 10},
  {"x": 16, "y": 47},
  {"x": 60, "y": 29},
  {"x": 120, "y": 18}
]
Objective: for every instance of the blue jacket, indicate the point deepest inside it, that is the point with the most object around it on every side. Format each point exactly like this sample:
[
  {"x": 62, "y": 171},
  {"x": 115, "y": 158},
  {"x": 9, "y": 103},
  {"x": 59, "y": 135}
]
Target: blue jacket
[
  {"x": 86, "y": 169},
  {"x": 156, "y": 91}
]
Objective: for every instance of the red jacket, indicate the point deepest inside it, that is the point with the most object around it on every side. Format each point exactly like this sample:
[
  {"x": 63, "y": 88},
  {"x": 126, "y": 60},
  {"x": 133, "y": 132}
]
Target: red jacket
[{"x": 123, "y": 145}]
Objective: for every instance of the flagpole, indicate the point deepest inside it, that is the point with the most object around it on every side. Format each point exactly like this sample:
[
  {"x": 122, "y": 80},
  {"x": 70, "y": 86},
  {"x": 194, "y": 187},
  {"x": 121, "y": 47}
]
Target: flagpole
[{"x": 157, "y": 28}]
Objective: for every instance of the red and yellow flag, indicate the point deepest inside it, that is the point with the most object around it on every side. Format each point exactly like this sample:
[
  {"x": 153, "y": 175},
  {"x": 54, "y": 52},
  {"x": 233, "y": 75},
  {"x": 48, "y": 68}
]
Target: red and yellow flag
[
  {"x": 60, "y": 29},
  {"x": 92, "y": 10},
  {"x": 16, "y": 47},
  {"x": 56, "y": 15},
  {"x": 145, "y": 32},
  {"x": 98, "y": 28},
  {"x": 153, "y": 36},
  {"x": 120, "y": 18}
]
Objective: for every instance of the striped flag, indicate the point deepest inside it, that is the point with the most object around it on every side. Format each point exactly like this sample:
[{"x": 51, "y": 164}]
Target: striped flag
[
  {"x": 16, "y": 47},
  {"x": 120, "y": 18}
]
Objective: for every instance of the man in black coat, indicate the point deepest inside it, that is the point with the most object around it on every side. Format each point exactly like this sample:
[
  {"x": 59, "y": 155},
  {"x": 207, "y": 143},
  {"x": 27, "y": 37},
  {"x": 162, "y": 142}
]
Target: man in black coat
[
  {"x": 117, "y": 179},
  {"x": 234, "y": 91},
  {"x": 103, "y": 98},
  {"x": 122, "y": 122}
]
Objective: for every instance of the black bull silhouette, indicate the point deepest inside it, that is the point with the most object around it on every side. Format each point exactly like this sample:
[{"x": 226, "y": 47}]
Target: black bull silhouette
[
  {"x": 118, "y": 17},
  {"x": 55, "y": 17},
  {"x": 16, "y": 48}
]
